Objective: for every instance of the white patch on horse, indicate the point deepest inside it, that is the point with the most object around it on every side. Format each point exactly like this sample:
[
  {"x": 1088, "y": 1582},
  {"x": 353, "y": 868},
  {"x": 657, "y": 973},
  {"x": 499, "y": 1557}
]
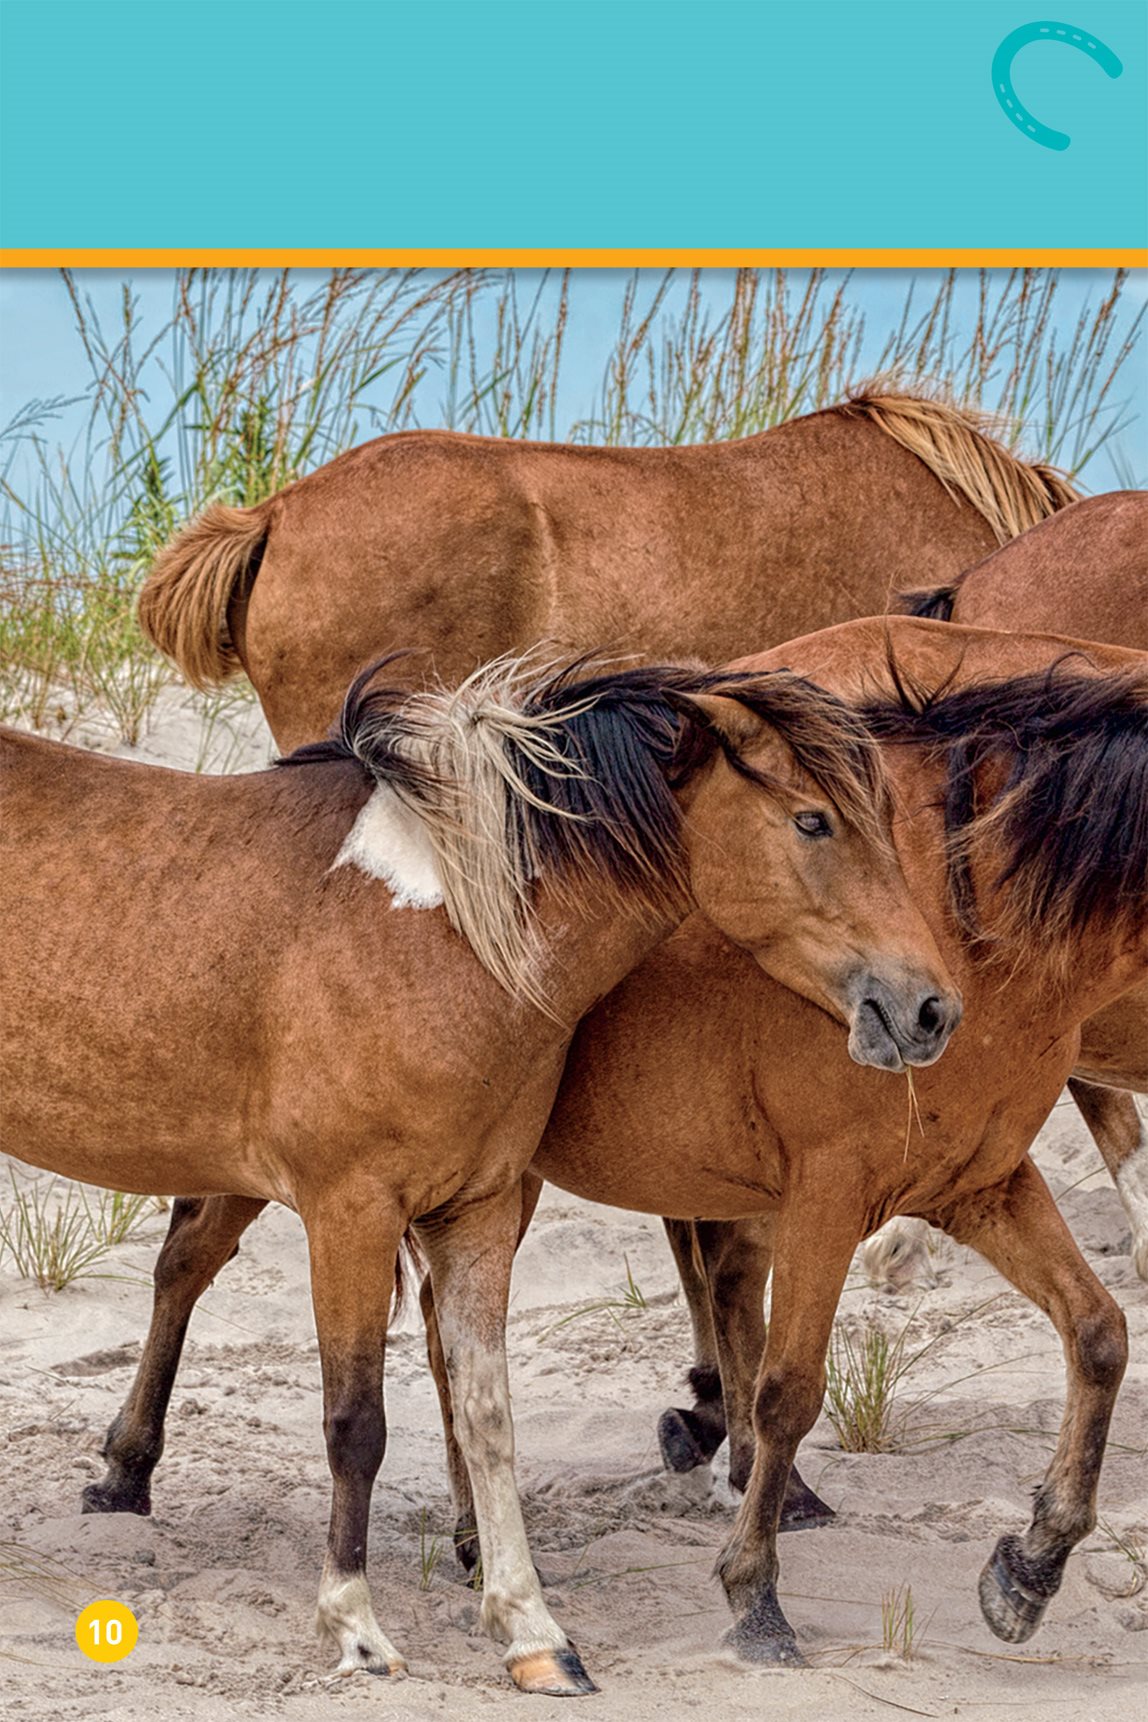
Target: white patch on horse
[
  {"x": 388, "y": 841},
  {"x": 1132, "y": 1188}
]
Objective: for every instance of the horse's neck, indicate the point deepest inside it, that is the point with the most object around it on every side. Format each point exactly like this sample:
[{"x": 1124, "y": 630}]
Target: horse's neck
[
  {"x": 1038, "y": 1005},
  {"x": 1108, "y": 973},
  {"x": 585, "y": 952}
]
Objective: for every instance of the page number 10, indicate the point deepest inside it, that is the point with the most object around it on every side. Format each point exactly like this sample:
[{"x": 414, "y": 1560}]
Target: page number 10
[{"x": 106, "y": 1631}]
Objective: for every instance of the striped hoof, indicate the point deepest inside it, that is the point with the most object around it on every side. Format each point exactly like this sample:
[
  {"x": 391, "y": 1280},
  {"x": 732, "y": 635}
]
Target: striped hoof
[
  {"x": 1012, "y": 1609},
  {"x": 554, "y": 1673},
  {"x": 761, "y": 1633}
]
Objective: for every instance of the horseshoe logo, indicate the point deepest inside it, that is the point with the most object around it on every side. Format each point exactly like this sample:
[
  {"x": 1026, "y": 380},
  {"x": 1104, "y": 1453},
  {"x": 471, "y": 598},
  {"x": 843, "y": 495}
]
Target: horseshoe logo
[{"x": 1043, "y": 32}]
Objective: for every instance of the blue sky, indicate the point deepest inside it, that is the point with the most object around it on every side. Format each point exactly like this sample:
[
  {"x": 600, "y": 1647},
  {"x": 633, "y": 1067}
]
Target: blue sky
[{"x": 41, "y": 357}]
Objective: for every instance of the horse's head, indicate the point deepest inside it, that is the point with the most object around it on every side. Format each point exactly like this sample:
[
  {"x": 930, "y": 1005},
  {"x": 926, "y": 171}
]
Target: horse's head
[{"x": 789, "y": 856}]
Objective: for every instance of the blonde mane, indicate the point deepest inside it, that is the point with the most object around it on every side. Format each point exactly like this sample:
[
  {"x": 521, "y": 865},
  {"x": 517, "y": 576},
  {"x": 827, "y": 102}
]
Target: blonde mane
[
  {"x": 526, "y": 771},
  {"x": 465, "y": 749},
  {"x": 962, "y": 448}
]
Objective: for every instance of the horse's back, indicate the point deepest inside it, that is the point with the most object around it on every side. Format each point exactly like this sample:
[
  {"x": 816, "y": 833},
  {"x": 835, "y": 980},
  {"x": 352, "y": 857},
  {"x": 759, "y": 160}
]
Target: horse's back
[
  {"x": 1082, "y": 572},
  {"x": 470, "y": 547},
  {"x": 159, "y": 929}
]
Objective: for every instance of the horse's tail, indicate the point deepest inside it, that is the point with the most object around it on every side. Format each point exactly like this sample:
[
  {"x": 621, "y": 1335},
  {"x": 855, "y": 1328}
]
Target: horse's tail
[
  {"x": 184, "y": 600},
  {"x": 959, "y": 448}
]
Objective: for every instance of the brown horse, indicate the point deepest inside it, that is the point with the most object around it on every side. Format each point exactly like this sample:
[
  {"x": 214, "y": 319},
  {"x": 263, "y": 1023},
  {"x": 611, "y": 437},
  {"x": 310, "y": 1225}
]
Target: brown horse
[
  {"x": 473, "y": 546},
  {"x": 1084, "y": 571},
  {"x": 742, "y": 1103},
  {"x": 206, "y": 993},
  {"x": 1046, "y": 786}
]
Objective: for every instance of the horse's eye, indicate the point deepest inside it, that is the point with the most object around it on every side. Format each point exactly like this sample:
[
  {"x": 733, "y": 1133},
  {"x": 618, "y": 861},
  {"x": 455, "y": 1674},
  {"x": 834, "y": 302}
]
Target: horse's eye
[{"x": 813, "y": 825}]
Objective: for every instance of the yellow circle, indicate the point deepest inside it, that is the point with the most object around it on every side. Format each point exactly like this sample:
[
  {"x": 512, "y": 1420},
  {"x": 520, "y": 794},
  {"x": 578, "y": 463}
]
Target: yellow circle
[{"x": 106, "y": 1631}]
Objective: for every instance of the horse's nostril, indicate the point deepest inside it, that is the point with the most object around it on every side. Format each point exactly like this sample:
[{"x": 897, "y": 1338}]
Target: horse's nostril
[{"x": 931, "y": 1015}]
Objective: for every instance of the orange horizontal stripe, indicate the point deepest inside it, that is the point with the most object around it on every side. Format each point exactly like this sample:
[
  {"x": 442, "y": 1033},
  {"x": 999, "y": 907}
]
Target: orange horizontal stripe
[{"x": 446, "y": 258}]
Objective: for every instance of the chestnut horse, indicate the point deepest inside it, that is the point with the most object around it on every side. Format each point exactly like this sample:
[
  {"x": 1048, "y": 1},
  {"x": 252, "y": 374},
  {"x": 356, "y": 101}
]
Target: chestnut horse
[
  {"x": 206, "y": 994},
  {"x": 742, "y": 1103},
  {"x": 1084, "y": 571},
  {"x": 473, "y": 546}
]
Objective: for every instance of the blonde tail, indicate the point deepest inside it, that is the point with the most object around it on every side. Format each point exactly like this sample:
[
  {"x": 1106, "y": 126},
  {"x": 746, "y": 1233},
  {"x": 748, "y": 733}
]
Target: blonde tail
[{"x": 184, "y": 600}]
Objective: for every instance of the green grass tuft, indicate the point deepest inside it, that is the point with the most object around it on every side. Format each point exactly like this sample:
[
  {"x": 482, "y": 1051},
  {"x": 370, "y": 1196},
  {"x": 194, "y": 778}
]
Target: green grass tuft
[{"x": 57, "y": 1233}]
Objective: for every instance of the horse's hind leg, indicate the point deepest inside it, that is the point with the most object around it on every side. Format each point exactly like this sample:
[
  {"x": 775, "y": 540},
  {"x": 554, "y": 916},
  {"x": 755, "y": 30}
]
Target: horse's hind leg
[
  {"x": 689, "y": 1437},
  {"x": 1118, "y": 1130},
  {"x": 203, "y": 1235},
  {"x": 353, "y": 1235},
  {"x": 470, "y": 1249},
  {"x": 732, "y": 1260},
  {"x": 458, "y": 1477},
  {"x": 1019, "y": 1230}
]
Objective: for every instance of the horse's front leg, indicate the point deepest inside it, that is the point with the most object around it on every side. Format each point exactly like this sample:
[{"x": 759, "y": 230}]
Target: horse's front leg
[
  {"x": 353, "y": 1234},
  {"x": 814, "y": 1243},
  {"x": 202, "y": 1236},
  {"x": 458, "y": 1477},
  {"x": 1017, "y": 1227},
  {"x": 470, "y": 1248}
]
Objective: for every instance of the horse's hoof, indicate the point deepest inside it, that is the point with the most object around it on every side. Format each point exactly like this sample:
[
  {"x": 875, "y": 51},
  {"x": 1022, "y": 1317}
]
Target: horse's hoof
[
  {"x": 767, "y": 1649},
  {"x": 466, "y": 1548},
  {"x": 110, "y": 1498},
  {"x": 361, "y": 1659},
  {"x": 553, "y": 1673},
  {"x": 805, "y": 1517},
  {"x": 1012, "y": 1609},
  {"x": 802, "y": 1510},
  {"x": 681, "y": 1450}
]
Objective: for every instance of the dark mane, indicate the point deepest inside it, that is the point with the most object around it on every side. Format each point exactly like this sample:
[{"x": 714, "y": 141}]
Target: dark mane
[
  {"x": 604, "y": 811},
  {"x": 640, "y": 737},
  {"x": 1070, "y": 751},
  {"x": 935, "y": 603},
  {"x": 368, "y": 730}
]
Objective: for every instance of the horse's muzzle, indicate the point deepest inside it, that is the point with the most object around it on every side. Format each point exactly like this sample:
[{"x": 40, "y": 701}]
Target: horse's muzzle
[{"x": 892, "y": 1025}]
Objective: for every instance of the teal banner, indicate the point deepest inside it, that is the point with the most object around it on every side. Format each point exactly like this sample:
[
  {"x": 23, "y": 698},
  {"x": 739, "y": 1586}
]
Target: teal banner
[{"x": 572, "y": 123}]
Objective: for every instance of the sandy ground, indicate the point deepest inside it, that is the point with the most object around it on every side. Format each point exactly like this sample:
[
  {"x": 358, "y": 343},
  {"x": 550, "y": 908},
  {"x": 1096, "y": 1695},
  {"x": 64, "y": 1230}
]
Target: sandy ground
[{"x": 223, "y": 1576}]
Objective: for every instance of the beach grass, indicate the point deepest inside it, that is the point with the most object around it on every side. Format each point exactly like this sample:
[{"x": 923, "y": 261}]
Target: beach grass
[{"x": 257, "y": 377}]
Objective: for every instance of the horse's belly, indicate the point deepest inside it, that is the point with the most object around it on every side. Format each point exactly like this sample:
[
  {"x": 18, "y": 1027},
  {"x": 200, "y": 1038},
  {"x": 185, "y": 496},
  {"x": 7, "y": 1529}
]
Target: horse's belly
[{"x": 675, "y": 1179}]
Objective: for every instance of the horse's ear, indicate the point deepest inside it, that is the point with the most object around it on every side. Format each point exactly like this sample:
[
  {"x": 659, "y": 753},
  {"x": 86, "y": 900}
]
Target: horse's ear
[{"x": 729, "y": 720}]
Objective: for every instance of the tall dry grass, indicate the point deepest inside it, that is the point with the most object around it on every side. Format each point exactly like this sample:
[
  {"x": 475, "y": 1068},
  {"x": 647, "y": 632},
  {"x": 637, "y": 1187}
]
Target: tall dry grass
[
  {"x": 253, "y": 380},
  {"x": 256, "y": 378}
]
